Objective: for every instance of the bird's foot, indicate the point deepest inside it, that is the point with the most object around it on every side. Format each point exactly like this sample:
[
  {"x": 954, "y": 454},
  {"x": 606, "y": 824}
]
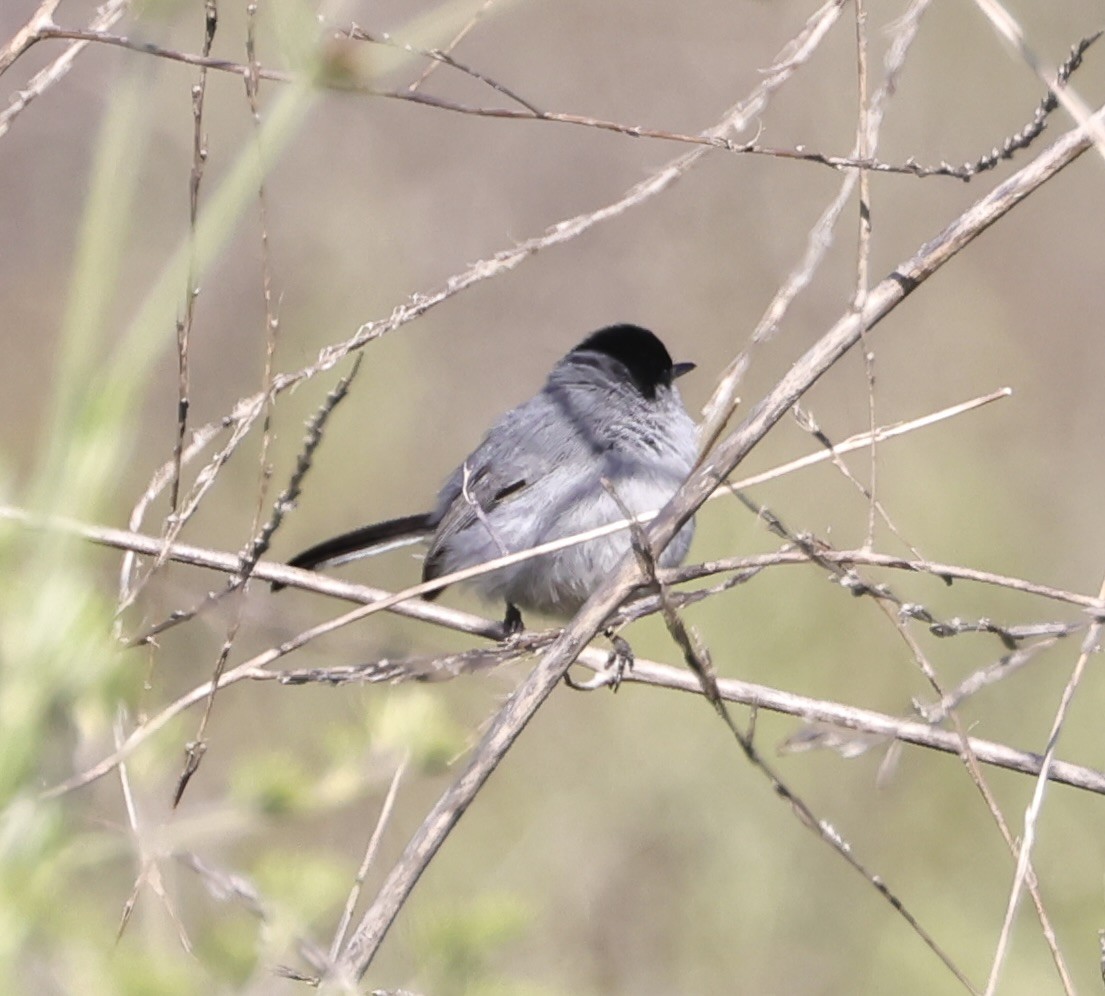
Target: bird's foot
[
  {"x": 619, "y": 661},
  {"x": 512, "y": 623}
]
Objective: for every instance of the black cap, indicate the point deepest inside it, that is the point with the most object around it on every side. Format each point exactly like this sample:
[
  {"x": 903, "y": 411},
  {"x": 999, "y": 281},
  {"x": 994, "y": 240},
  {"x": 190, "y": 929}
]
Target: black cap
[{"x": 640, "y": 352}]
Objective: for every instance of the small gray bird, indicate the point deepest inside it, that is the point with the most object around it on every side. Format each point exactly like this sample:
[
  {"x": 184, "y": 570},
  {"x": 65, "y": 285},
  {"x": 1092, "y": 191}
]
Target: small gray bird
[{"x": 609, "y": 418}]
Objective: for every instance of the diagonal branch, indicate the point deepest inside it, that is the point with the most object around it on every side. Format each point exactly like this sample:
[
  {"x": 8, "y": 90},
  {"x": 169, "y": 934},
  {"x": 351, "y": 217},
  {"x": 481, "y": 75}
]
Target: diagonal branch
[
  {"x": 919, "y": 733},
  {"x": 528, "y": 698}
]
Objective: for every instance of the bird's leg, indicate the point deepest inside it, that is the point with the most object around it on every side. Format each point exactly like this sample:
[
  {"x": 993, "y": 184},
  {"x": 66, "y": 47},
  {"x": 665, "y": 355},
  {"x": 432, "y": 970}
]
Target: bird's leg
[
  {"x": 621, "y": 656},
  {"x": 619, "y": 661},
  {"x": 512, "y": 624}
]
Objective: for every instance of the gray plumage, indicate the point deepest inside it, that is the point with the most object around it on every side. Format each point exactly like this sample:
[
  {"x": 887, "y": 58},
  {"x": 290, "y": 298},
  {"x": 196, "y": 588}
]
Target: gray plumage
[
  {"x": 538, "y": 476},
  {"x": 609, "y": 411}
]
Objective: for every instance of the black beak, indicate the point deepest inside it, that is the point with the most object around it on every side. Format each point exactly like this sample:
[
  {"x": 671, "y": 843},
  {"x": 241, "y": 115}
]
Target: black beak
[{"x": 678, "y": 369}]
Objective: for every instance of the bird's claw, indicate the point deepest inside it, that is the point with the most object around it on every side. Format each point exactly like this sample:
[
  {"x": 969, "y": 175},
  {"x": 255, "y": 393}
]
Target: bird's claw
[
  {"x": 620, "y": 660},
  {"x": 512, "y": 623}
]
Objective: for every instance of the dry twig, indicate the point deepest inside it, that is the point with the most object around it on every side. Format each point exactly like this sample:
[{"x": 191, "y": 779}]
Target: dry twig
[{"x": 528, "y": 698}]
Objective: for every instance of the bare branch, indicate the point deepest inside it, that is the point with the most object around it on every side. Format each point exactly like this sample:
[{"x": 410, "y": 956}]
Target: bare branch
[
  {"x": 369, "y": 857},
  {"x": 525, "y": 113},
  {"x": 528, "y": 698},
  {"x": 40, "y": 21},
  {"x": 1022, "y": 874},
  {"x": 107, "y": 15},
  {"x": 1057, "y": 83},
  {"x": 719, "y": 409},
  {"x": 793, "y": 56}
]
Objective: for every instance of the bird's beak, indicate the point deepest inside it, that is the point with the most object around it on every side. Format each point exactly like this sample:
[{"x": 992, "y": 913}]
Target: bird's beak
[{"x": 678, "y": 369}]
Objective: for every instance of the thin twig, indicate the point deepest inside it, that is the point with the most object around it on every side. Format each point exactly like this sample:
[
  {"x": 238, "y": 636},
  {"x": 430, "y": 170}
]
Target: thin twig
[
  {"x": 697, "y": 657},
  {"x": 191, "y": 290},
  {"x": 247, "y": 410},
  {"x": 456, "y": 40},
  {"x": 439, "y": 57},
  {"x": 1031, "y": 817},
  {"x": 525, "y": 113},
  {"x": 130, "y": 586},
  {"x": 40, "y": 21},
  {"x": 867, "y": 137},
  {"x": 1057, "y": 85},
  {"x": 1000, "y": 669},
  {"x": 528, "y": 698},
  {"x": 1024, "y": 138},
  {"x": 196, "y": 749},
  {"x": 855, "y": 442},
  {"x": 974, "y": 771},
  {"x": 369, "y": 857},
  {"x": 723, "y": 402},
  {"x": 807, "y": 422},
  {"x": 249, "y": 560},
  {"x": 867, "y": 558},
  {"x": 882, "y": 596},
  {"x": 106, "y": 16}
]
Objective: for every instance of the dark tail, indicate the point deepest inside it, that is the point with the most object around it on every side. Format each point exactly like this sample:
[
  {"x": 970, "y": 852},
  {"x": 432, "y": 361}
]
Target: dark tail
[{"x": 361, "y": 542}]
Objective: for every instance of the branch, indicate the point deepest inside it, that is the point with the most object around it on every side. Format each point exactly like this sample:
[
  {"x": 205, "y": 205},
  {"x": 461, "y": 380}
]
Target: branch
[
  {"x": 247, "y": 410},
  {"x": 855, "y": 442},
  {"x": 644, "y": 672},
  {"x": 527, "y": 113},
  {"x": 528, "y": 698},
  {"x": 106, "y": 16},
  {"x": 34, "y": 30}
]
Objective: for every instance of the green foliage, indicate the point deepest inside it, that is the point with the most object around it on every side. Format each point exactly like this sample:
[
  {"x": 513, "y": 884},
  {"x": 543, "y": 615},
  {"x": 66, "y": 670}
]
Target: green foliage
[
  {"x": 228, "y": 947},
  {"x": 458, "y": 945},
  {"x": 276, "y": 783},
  {"x": 416, "y": 721},
  {"x": 312, "y": 883},
  {"x": 142, "y": 973}
]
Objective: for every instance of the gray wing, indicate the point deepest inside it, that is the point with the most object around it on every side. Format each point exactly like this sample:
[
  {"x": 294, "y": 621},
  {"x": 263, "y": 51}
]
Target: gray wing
[
  {"x": 521, "y": 449},
  {"x": 473, "y": 489}
]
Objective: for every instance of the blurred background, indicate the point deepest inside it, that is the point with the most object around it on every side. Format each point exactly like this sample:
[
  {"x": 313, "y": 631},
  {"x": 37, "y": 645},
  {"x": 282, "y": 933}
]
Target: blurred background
[{"x": 624, "y": 846}]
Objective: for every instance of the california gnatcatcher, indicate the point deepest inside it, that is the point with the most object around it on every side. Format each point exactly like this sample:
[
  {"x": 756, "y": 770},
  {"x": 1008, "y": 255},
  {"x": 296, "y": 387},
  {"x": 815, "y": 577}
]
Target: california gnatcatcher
[{"x": 609, "y": 419}]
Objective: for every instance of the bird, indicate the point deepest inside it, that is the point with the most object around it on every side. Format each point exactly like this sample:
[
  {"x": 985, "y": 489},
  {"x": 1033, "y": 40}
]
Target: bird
[{"x": 607, "y": 433}]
